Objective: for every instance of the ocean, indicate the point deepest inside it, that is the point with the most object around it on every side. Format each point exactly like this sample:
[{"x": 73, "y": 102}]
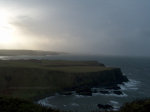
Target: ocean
[{"x": 137, "y": 69}]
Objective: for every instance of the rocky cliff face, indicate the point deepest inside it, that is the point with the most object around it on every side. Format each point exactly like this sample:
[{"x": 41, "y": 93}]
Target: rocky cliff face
[
  {"x": 30, "y": 79},
  {"x": 102, "y": 79}
]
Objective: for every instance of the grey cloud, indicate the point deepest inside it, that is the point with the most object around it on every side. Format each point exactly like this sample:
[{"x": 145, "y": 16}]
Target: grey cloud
[{"x": 115, "y": 27}]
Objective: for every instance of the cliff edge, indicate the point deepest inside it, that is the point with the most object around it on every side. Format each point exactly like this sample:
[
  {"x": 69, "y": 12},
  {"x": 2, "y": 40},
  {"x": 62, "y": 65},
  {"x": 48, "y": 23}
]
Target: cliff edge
[{"x": 32, "y": 79}]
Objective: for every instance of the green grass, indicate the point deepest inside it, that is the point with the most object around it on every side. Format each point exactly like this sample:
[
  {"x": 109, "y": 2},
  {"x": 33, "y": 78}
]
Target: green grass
[
  {"x": 8, "y": 104},
  {"x": 49, "y": 62},
  {"x": 56, "y": 65}
]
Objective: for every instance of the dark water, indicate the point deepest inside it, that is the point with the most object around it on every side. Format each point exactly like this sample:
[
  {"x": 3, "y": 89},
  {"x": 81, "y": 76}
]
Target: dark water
[{"x": 137, "y": 69}]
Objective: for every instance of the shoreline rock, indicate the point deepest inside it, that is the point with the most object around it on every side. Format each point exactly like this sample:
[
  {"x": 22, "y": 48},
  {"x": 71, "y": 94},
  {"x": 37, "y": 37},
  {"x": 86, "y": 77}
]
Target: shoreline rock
[
  {"x": 118, "y": 92},
  {"x": 105, "y": 107}
]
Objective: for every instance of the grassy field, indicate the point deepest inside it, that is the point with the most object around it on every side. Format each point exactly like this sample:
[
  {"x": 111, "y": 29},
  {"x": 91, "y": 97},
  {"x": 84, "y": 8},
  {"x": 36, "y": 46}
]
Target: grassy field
[
  {"x": 48, "y": 63},
  {"x": 56, "y": 65},
  {"x": 33, "y": 79}
]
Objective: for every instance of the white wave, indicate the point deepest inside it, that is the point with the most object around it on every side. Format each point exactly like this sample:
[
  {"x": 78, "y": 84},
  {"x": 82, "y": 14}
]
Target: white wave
[
  {"x": 110, "y": 94},
  {"x": 79, "y": 96},
  {"x": 44, "y": 102},
  {"x": 65, "y": 105},
  {"x": 115, "y": 105},
  {"x": 96, "y": 94},
  {"x": 114, "y": 102},
  {"x": 116, "y": 108},
  {"x": 131, "y": 84},
  {"x": 115, "y": 95},
  {"x": 75, "y": 104},
  {"x": 4, "y": 57}
]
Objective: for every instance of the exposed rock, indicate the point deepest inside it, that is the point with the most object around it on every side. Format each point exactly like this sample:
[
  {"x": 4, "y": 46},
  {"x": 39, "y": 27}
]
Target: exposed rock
[
  {"x": 84, "y": 91},
  {"x": 102, "y": 79},
  {"x": 117, "y": 92},
  {"x": 94, "y": 91},
  {"x": 115, "y": 87},
  {"x": 104, "y": 92},
  {"x": 105, "y": 107},
  {"x": 66, "y": 93}
]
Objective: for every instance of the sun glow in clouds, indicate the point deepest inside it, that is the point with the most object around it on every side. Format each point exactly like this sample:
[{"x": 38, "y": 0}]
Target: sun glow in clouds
[{"x": 6, "y": 30}]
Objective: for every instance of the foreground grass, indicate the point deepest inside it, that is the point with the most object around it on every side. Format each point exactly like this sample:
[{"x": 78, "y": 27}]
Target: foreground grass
[
  {"x": 136, "y": 106},
  {"x": 8, "y": 104}
]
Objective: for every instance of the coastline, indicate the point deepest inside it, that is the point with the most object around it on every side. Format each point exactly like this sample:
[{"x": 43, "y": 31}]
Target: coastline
[{"x": 20, "y": 76}]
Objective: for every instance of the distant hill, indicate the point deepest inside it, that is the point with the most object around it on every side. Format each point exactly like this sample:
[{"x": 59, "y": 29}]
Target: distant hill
[{"x": 28, "y": 52}]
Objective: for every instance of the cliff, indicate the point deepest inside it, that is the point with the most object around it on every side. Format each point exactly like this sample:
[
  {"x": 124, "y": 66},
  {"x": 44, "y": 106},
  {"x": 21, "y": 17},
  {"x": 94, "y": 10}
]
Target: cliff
[{"x": 34, "y": 78}]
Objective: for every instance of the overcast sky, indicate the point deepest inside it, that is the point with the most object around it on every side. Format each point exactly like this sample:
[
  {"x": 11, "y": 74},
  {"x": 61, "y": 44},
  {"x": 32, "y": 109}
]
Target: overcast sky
[{"x": 110, "y": 27}]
